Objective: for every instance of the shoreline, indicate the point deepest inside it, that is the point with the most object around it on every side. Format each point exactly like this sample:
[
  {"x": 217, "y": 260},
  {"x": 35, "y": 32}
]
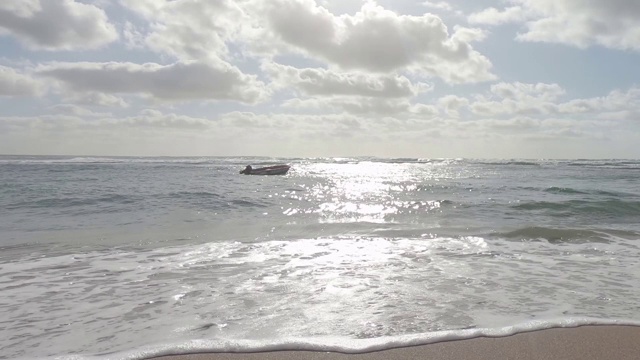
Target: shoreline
[{"x": 589, "y": 342}]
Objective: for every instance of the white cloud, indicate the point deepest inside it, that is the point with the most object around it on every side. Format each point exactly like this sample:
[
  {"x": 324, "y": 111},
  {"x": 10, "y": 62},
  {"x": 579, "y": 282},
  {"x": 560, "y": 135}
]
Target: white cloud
[
  {"x": 540, "y": 101},
  {"x": 187, "y": 29},
  {"x": 74, "y": 110},
  {"x": 93, "y": 98},
  {"x": 522, "y": 91},
  {"x": 616, "y": 101},
  {"x": 283, "y": 134},
  {"x": 614, "y": 23},
  {"x": 371, "y": 107},
  {"x": 175, "y": 82},
  {"x": 56, "y": 24},
  {"x": 443, "y": 7},
  {"x": 371, "y": 40},
  {"x": 355, "y": 92},
  {"x": 493, "y": 16},
  {"x": 14, "y": 83},
  {"x": 439, "y": 5},
  {"x": 518, "y": 98},
  {"x": 133, "y": 37},
  {"x": 451, "y": 104},
  {"x": 160, "y": 121},
  {"x": 324, "y": 82},
  {"x": 376, "y": 40}
]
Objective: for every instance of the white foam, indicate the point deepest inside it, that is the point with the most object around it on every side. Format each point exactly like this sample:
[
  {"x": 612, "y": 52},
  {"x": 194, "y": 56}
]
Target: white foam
[
  {"x": 342, "y": 345},
  {"x": 292, "y": 294}
]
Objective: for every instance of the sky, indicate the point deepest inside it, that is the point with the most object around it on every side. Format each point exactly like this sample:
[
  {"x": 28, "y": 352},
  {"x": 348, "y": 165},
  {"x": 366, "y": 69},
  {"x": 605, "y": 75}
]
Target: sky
[{"x": 321, "y": 78}]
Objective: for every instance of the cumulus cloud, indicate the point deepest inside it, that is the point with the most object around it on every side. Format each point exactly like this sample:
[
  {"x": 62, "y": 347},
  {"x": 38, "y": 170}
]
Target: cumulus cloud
[
  {"x": 15, "y": 83},
  {"x": 324, "y": 82},
  {"x": 522, "y": 91},
  {"x": 493, "y": 16},
  {"x": 74, "y": 110},
  {"x": 378, "y": 40},
  {"x": 620, "y": 102},
  {"x": 355, "y": 92},
  {"x": 311, "y": 130},
  {"x": 451, "y": 104},
  {"x": 187, "y": 29},
  {"x": 74, "y": 121},
  {"x": 175, "y": 82},
  {"x": 614, "y": 24},
  {"x": 93, "y": 98},
  {"x": 518, "y": 98},
  {"x": 56, "y": 25},
  {"x": 372, "y": 40},
  {"x": 439, "y": 5},
  {"x": 371, "y": 107},
  {"x": 542, "y": 101},
  {"x": 160, "y": 121}
]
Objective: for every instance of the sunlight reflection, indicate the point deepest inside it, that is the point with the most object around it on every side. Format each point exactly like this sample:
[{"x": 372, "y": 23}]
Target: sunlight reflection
[{"x": 369, "y": 191}]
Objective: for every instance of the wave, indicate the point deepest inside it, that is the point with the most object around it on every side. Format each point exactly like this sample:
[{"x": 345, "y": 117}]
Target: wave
[
  {"x": 612, "y": 207},
  {"x": 240, "y": 203},
  {"x": 67, "y": 202},
  {"x": 572, "y": 191},
  {"x": 193, "y": 194},
  {"x": 70, "y": 160},
  {"x": 563, "y": 190},
  {"x": 348, "y": 345},
  {"x": 213, "y": 201},
  {"x": 230, "y": 160},
  {"x": 559, "y": 235},
  {"x": 511, "y": 163},
  {"x": 611, "y": 163},
  {"x": 418, "y": 160}
]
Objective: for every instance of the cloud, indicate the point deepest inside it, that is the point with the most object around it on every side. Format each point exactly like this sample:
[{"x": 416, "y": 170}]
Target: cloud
[
  {"x": 522, "y": 91},
  {"x": 613, "y": 24},
  {"x": 493, "y": 16},
  {"x": 176, "y": 82},
  {"x": 374, "y": 107},
  {"x": 376, "y": 40},
  {"x": 93, "y": 98},
  {"x": 371, "y": 107},
  {"x": 439, "y": 5},
  {"x": 355, "y": 92},
  {"x": 371, "y": 40},
  {"x": 451, "y": 104},
  {"x": 518, "y": 98},
  {"x": 619, "y": 102},
  {"x": 76, "y": 120},
  {"x": 159, "y": 121},
  {"x": 443, "y": 7},
  {"x": 80, "y": 131},
  {"x": 14, "y": 83},
  {"x": 187, "y": 29},
  {"x": 74, "y": 110},
  {"x": 56, "y": 24},
  {"x": 540, "y": 101},
  {"x": 324, "y": 82}
]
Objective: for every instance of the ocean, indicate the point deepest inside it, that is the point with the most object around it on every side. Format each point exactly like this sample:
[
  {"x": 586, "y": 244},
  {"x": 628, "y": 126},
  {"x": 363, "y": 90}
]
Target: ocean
[{"x": 132, "y": 257}]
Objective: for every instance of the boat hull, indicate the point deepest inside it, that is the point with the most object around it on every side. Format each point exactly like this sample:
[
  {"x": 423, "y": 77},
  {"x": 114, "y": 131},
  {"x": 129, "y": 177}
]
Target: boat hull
[{"x": 269, "y": 170}]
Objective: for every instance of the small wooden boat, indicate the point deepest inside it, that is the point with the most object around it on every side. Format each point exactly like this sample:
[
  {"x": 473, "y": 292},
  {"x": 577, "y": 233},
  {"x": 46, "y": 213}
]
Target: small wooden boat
[{"x": 269, "y": 170}]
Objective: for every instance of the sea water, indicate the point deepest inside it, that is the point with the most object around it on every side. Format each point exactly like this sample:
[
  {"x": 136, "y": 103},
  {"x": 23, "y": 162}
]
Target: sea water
[{"x": 133, "y": 257}]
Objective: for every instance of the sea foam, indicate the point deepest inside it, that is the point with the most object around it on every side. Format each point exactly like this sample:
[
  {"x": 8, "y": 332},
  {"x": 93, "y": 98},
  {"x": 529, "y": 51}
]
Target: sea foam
[{"x": 341, "y": 345}]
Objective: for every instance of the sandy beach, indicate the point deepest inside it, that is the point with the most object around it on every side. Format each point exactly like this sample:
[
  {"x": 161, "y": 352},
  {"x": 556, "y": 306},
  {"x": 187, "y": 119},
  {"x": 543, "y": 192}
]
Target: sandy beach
[{"x": 584, "y": 343}]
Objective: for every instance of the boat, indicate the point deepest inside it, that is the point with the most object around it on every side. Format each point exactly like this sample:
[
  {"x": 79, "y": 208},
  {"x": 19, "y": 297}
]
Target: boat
[{"x": 268, "y": 170}]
